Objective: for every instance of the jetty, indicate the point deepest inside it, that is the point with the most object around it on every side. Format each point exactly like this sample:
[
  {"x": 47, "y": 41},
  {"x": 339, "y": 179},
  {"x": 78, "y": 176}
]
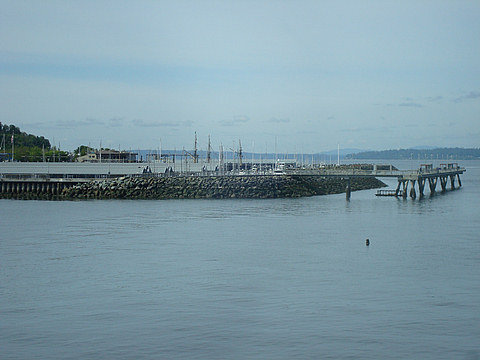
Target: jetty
[{"x": 46, "y": 179}]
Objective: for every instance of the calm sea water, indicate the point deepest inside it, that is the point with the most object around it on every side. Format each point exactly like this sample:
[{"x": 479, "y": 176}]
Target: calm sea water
[{"x": 243, "y": 279}]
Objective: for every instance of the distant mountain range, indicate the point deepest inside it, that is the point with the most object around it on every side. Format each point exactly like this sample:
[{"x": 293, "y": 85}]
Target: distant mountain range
[
  {"x": 343, "y": 152},
  {"x": 430, "y": 153},
  {"x": 36, "y": 148},
  {"x": 416, "y": 153}
]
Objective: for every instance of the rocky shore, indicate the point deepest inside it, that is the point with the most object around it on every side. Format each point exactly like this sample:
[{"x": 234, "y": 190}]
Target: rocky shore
[{"x": 215, "y": 187}]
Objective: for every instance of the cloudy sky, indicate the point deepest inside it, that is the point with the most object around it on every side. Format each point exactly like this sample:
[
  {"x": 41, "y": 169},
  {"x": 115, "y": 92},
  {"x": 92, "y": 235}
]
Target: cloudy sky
[{"x": 306, "y": 75}]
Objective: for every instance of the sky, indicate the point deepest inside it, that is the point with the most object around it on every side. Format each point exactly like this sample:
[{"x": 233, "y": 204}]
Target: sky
[{"x": 286, "y": 76}]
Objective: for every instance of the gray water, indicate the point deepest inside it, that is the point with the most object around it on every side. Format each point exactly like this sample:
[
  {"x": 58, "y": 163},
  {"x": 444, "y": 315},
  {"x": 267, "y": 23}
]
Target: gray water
[{"x": 243, "y": 279}]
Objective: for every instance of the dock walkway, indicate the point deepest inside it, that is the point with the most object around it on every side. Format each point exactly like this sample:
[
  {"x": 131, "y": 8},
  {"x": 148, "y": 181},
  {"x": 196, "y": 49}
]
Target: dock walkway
[{"x": 426, "y": 173}]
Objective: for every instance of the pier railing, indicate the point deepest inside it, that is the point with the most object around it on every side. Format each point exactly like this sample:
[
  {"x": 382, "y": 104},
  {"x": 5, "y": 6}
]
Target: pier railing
[{"x": 404, "y": 174}]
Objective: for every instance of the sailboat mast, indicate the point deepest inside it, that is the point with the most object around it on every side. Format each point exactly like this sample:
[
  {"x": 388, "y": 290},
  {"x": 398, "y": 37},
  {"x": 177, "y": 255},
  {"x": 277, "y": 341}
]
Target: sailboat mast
[
  {"x": 338, "y": 155},
  {"x": 240, "y": 154},
  {"x": 209, "y": 150},
  {"x": 195, "y": 156}
]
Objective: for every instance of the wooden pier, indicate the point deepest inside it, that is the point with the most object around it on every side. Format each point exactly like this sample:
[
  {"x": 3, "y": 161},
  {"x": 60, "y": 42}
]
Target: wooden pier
[
  {"x": 428, "y": 174},
  {"x": 416, "y": 178},
  {"x": 47, "y": 186}
]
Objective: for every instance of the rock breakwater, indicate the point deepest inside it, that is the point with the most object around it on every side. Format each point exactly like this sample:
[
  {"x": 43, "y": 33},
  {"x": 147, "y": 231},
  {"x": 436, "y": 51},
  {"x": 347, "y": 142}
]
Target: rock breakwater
[{"x": 215, "y": 187}]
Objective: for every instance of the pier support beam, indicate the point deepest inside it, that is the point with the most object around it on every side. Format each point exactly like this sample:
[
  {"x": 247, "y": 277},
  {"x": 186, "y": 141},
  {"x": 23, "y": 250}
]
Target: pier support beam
[
  {"x": 443, "y": 182},
  {"x": 452, "y": 182},
  {"x": 459, "y": 181},
  {"x": 421, "y": 186},
  {"x": 432, "y": 183},
  {"x": 413, "y": 194},
  {"x": 405, "y": 188},
  {"x": 397, "y": 190}
]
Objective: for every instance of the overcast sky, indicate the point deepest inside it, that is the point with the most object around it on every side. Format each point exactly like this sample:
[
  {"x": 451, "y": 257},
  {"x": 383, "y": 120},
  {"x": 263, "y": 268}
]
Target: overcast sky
[{"x": 307, "y": 75}]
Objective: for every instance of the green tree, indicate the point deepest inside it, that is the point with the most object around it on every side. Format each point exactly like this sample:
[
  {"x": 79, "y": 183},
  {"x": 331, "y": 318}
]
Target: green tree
[{"x": 27, "y": 147}]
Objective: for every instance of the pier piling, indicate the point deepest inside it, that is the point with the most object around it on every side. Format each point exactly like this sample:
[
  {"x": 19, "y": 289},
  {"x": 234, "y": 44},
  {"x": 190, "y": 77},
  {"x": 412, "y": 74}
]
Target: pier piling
[{"x": 348, "y": 190}]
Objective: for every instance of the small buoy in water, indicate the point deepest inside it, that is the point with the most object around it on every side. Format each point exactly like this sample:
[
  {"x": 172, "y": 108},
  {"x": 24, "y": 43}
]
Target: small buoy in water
[{"x": 367, "y": 242}]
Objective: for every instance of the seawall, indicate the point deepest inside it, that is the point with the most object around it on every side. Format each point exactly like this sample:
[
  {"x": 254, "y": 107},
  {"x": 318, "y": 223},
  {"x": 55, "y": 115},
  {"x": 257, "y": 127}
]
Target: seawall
[
  {"x": 199, "y": 187},
  {"x": 192, "y": 187},
  {"x": 216, "y": 187}
]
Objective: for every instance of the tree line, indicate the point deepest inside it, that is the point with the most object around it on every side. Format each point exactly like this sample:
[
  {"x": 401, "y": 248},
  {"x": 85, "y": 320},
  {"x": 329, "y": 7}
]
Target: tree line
[{"x": 27, "y": 147}]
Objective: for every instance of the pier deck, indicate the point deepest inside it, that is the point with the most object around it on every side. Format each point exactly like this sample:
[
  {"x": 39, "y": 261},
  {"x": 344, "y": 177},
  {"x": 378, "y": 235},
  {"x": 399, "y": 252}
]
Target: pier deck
[{"x": 426, "y": 173}]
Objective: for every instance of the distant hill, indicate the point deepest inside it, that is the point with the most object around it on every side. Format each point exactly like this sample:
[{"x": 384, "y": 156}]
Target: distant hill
[
  {"x": 26, "y": 147},
  {"x": 343, "y": 152},
  {"x": 415, "y": 153}
]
